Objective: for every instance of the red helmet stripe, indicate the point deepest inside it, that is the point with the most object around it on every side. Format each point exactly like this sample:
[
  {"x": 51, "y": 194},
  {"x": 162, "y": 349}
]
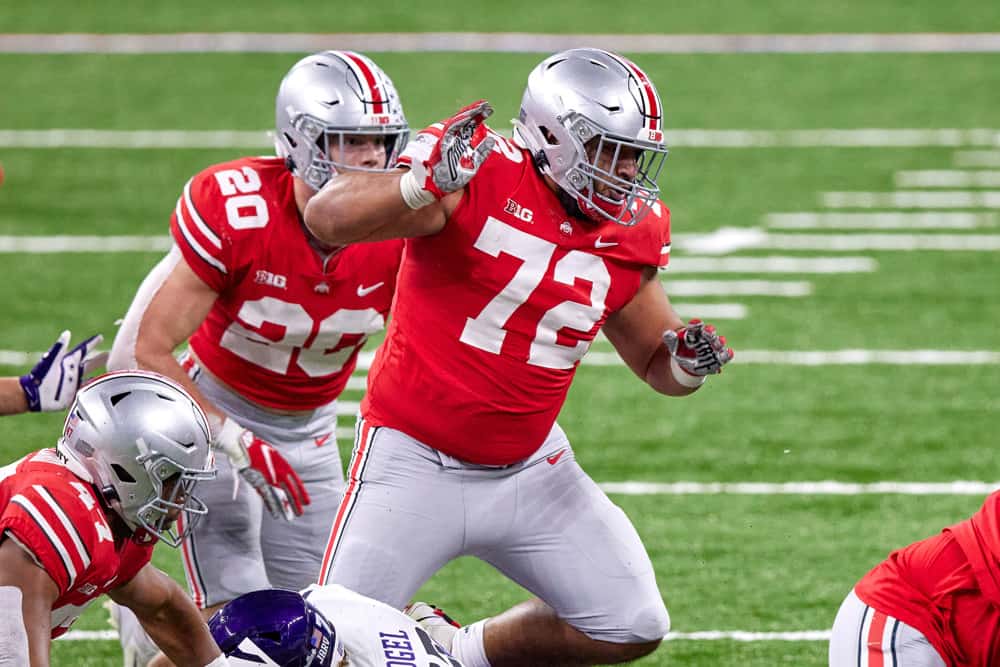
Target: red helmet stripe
[
  {"x": 652, "y": 98},
  {"x": 367, "y": 75}
]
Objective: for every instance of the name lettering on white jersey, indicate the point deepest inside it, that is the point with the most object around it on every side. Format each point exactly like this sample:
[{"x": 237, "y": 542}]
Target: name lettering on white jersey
[
  {"x": 263, "y": 277},
  {"x": 365, "y": 291},
  {"x": 604, "y": 244}
]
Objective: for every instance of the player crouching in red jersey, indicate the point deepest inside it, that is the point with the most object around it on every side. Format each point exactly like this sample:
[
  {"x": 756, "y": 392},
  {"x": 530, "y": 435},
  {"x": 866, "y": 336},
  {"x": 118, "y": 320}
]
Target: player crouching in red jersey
[
  {"x": 518, "y": 253},
  {"x": 81, "y": 520},
  {"x": 933, "y": 603}
]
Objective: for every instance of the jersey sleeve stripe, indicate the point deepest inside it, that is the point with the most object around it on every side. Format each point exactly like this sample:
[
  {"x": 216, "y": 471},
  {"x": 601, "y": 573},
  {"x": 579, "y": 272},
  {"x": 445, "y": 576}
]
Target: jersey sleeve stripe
[
  {"x": 71, "y": 530},
  {"x": 193, "y": 242},
  {"x": 212, "y": 237},
  {"x": 50, "y": 535}
]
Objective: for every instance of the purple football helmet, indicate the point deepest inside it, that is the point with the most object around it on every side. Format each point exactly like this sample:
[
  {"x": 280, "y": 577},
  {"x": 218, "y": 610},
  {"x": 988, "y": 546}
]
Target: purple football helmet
[{"x": 278, "y": 625}]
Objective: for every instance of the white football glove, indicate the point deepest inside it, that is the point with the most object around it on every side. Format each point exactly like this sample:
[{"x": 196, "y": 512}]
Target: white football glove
[
  {"x": 53, "y": 382},
  {"x": 265, "y": 469},
  {"x": 696, "y": 351},
  {"x": 455, "y": 158}
]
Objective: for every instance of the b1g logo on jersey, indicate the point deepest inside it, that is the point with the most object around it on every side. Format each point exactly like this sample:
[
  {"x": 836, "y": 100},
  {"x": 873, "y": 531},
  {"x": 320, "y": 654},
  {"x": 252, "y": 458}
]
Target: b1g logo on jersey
[
  {"x": 273, "y": 279},
  {"x": 518, "y": 211}
]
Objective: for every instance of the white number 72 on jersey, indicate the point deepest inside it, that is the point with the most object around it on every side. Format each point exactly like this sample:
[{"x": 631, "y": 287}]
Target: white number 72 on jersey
[{"x": 486, "y": 330}]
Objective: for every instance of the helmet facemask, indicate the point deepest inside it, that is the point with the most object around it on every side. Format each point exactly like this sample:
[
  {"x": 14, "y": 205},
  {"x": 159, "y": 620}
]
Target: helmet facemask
[
  {"x": 594, "y": 180},
  {"x": 171, "y": 516}
]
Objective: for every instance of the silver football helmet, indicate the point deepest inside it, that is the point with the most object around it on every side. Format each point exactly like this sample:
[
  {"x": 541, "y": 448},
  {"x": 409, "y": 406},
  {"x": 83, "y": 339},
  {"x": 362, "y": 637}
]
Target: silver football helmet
[
  {"x": 328, "y": 95},
  {"x": 584, "y": 103},
  {"x": 144, "y": 443}
]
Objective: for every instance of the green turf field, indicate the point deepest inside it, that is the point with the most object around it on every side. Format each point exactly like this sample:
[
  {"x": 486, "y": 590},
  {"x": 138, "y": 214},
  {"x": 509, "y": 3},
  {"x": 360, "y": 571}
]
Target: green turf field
[{"x": 725, "y": 562}]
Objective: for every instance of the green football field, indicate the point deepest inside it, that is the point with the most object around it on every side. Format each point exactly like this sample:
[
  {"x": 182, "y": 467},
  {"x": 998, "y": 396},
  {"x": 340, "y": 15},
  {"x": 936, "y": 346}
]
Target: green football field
[{"x": 854, "y": 268}]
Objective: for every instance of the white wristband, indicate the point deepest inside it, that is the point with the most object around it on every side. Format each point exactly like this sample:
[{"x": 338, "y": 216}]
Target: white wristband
[
  {"x": 683, "y": 377},
  {"x": 228, "y": 440},
  {"x": 413, "y": 192}
]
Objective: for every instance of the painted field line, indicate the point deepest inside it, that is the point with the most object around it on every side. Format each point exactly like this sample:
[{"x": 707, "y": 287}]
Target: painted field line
[
  {"x": 913, "y": 199},
  {"x": 838, "y": 357},
  {"x": 711, "y": 311},
  {"x": 851, "y": 357},
  {"x": 977, "y": 158},
  {"x": 817, "y": 488},
  {"x": 509, "y": 42},
  {"x": 726, "y": 240},
  {"x": 895, "y": 220},
  {"x": 79, "y": 244},
  {"x": 690, "y": 138},
  {"x": 737, "y": 288},
  {"x": 948, "y": 178},
  {"x": 773, "y": 264},
  {"x": 704, "y": 635}
]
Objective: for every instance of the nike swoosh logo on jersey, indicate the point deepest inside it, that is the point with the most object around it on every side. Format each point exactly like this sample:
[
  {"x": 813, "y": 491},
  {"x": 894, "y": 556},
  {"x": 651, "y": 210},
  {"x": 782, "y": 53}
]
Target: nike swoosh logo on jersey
[
  {"x": 321, "y": 440},
  {"x": 554, "y": 459},
  {"x": 604, "y": 244},
  {"x": 365, "y": 291}
]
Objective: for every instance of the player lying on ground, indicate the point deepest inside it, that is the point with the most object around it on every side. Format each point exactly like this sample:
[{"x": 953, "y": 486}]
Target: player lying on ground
[
  {"x": 81, "y": 520},
  {"x": 325, "y": 626},
  {"x": 55, "y": 379}
]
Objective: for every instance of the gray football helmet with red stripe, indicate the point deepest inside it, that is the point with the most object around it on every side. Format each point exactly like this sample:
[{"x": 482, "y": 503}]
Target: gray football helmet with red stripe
[
  {"x": 581, "y": 103},
  {"x": 326, "y": 96},
  {"x": 144, "y": 443}
]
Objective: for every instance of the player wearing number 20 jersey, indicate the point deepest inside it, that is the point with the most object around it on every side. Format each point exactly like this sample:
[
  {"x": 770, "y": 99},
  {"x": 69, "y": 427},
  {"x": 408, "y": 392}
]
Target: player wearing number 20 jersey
[
  {"x": 518, "y": 253},
  {"x": 287, "y": 326}
]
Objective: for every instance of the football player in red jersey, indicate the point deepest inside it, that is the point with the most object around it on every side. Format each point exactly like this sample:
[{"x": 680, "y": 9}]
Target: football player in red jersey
[
  {"x": 933, "y": 603},
  {"x": 517, "y": 254},
  {"x": 54, "y": 380},
  {"x": 80, "y": 520},
  {"x": 274, "y": 319}
]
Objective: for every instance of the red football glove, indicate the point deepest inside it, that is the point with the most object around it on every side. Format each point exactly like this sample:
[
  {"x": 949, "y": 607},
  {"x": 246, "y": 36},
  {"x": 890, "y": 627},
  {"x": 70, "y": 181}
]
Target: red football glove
[
  {"x": 455, "y": 158},
  {"x": 696, "y": 351},
  {"x": 264, "y": 468}
]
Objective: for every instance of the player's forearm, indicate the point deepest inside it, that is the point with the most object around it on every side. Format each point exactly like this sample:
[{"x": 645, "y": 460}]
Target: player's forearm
[
  {"x": 359, "y": 207},
  {"x": 660, "y": 376},
  {"x": 181, "y": 633},
  {"x": 12, "y": 398}
]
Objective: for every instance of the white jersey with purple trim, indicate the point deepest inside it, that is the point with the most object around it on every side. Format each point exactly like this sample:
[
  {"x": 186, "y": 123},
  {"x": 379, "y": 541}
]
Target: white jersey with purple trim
[{"x": 375, "y": 634}]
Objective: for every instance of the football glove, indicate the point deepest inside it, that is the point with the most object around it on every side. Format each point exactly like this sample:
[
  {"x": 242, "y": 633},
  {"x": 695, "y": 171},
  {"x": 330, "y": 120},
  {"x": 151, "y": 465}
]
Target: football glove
[
  {"x": 696, "y": 351},
  {"x": 266, "y": 470},
  {"x": 457, "y": 154},
  {"x": 53, "y": 382}
]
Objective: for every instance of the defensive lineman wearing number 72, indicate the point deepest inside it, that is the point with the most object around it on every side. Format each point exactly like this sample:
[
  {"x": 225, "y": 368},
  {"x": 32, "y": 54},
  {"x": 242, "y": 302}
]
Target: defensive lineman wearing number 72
[{"x": 518, "y": 253}]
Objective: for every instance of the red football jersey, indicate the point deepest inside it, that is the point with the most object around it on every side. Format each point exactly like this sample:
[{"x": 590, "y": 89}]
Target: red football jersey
[
  {"x": 56, "y": 516},
  {"x": 287, "y": 327},
  {"x": 946, "y": 587},
  {"x": 494, "y": 312}
]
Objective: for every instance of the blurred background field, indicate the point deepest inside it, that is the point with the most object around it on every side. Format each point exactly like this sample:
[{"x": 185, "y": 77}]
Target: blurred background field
[{"x": 767, "y": 562}]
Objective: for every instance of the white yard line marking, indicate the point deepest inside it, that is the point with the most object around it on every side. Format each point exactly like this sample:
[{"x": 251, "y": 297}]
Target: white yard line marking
[
  {"x": 789, "y": 288},
  {"x": 838, "y": 357},
  {"x": 510, "y": 42},
  {"x": 712, "y": 311},
  {"x": 773, "y": 264},
  {"x": 947, "y": 178},
  {"x": 690, "y": 138},
  {"x": 977, "y": 158},
  {"x": 894, "y": 220},
  {"x": 732, "y": 239},
  {"x": 817, "y": 488},
  {"x": 912, "y": 199},
  {"x": 703, "y": 635},
  {"x": 76, "y": 244}
]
